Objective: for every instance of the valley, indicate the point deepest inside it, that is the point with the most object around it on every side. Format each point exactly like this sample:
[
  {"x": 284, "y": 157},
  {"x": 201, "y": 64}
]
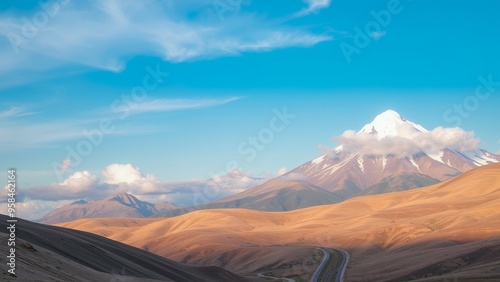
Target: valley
[{"x": 418, "y": 234}]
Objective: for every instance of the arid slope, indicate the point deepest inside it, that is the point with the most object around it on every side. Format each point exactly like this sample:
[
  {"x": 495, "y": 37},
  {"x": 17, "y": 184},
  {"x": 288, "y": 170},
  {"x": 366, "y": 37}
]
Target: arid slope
[
  {"x": 50, "y": 253},
  {"x": 451, "y": 229}
]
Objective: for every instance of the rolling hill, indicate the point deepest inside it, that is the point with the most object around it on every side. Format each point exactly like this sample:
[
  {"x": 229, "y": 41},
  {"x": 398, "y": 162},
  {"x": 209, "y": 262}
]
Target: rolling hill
[
  {"x": 50, "y": 253},
  {"x": 447, "y": 230}
]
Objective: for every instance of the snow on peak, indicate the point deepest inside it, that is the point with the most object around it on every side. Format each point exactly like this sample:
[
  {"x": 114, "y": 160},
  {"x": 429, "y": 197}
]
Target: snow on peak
[
  {"x": 390, "y": 123},
  {"x": 235, "y": 174}
]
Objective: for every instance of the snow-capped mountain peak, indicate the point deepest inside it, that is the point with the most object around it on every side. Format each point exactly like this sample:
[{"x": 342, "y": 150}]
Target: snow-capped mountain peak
[
  {"x": 388, "y": 146},
  {"x": 236, "y": 174},
  {"x": 391, "y": 123}
]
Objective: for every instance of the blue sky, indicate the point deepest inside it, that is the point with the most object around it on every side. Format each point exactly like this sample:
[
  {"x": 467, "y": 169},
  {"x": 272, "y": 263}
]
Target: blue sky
[{"x": 67, "y": 66}]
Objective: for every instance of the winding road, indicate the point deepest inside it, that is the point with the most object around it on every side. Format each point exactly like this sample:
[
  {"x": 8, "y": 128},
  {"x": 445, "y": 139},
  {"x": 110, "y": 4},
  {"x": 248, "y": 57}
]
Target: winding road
[{"x": 330, "y": 266}]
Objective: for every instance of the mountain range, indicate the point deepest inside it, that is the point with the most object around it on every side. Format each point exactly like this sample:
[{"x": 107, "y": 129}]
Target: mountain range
[
  {"x": 119, "y": 205},
  {"x": 352, "y": 171},
  {"x": 444, "y": 232},
  {"x": 359, "y": 200},
  {"x": 347, "y": 171}
]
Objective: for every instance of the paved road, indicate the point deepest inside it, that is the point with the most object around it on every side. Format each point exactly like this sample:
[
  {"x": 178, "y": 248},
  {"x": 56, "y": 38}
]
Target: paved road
[
  {"x": 343, "y": 266},
  {"x": 328, "y": 273},
  {"x": 319, "y": 270}
]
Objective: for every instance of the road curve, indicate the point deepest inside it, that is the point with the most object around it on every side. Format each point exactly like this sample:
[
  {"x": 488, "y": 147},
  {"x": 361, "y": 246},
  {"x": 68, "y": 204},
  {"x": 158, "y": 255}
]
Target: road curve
[
  {"x": 325, "y": 262},
  {"x": 343, "y": 266},
  {"x": 319, "y": 270}
]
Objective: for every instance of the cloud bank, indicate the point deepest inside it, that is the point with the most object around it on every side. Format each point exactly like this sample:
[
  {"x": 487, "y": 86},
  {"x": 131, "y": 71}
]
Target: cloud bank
[
  {"x": 430, "y": 142},
  {"x": 125, "y": 178}
]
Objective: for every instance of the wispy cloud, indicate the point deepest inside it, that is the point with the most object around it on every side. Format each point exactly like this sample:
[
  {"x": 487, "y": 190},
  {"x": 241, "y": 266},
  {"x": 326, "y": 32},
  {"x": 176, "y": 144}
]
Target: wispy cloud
[
  {"x": 102, "y": 35},
  {"x": 376, "y": 35},
  {"x": 15, "y": 112},
  {"x": 35, "y": 131},
  {"x": 313, "y": 6},
  {"x": 30, "y": 133},
  {"x": 65, "y": 165},
  {"x": 168, "y": 105}
]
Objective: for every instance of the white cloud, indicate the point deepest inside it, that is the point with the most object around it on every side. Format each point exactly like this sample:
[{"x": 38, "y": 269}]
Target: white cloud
[
  {"x": 15, "y": 112},
  {"x": 33, "y": 210},
  {"x": 376, "y": 35},
  {"x": 167, "y": 105},
  {"x": 313, "y": 6},
  {"x": 325, "y": 150},
  {"x": 79, "y": 185},
  {"x": 130, "y": 179},
  {"x": 79, "y": 182},
  {"x": 282, "y": 171},
  {"x": 121, "y": 173},
  {"x": 125, "y": 178},
  {"x": 65, "y": 165},
  {"x": 102, "y": 35},
  {"x": 31, "y": 132},
  {"x": 429, "y": 142}
]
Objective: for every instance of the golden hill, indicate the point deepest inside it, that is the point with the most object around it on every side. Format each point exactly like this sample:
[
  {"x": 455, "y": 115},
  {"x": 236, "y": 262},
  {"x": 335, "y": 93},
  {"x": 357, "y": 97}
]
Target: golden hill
[{"x": 451, "y": 229}]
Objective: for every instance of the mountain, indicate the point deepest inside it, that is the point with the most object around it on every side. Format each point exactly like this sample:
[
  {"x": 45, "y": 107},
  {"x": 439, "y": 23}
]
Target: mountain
[
  {"x": 274, "y": 195},
  {"x": 160, "y": 207},
  {"x": 119, "y": 205},
  {"x": 402, "y": 182},
  {"x": 50, "y": 253},
  {"x": 344, "y": 173},
  {"x": 280, "y": 195},
  {"x": 235, "y": 174},
  {"x": 351, "y": 171},
  {"x": 444, "y": 232}
]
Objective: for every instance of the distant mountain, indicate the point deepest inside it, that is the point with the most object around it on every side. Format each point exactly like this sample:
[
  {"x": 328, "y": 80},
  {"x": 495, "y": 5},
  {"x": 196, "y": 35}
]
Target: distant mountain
[
  {"x": 280, "y": 195},
  {"x": 119, "y": 205},
  {"x": 274, "y": 195},
  {"x": 444, "y": 232},
  {"x": 340, "y": 174},
  {"x": 51, "y": 253},
  {"x": 235, "y": 174},
  {"x": 164, "y": 207},
  {"x": 402, "y": 182},
  {"x": 347, "y": 173},
  {"x": 352, "y": 171}
]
